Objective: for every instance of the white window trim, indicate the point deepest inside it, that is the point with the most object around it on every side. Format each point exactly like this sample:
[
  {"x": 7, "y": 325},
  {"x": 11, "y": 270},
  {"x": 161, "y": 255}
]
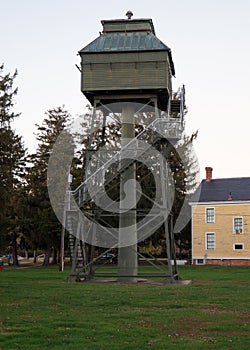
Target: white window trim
[
  {"x": 206, "y": 233},
  {"x": 212, "y": 222},
  {"x": 238, "y": 217},
  {"x": 238, "y": 249}
]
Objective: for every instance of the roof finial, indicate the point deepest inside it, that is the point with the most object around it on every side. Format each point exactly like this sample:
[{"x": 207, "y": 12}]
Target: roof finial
[{"x": 129, "y": 14}]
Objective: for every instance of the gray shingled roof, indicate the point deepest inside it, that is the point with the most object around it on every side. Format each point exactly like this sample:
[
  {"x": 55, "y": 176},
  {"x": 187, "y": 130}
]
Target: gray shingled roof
[{"x": 219, "y": 190}]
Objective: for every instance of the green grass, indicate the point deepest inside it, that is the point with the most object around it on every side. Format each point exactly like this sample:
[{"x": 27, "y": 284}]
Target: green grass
[{"x": 40, "y": 310}]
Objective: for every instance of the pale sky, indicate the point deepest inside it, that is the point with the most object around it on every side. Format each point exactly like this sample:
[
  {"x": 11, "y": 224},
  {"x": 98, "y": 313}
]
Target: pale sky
[{"x": 210, "y": 43}]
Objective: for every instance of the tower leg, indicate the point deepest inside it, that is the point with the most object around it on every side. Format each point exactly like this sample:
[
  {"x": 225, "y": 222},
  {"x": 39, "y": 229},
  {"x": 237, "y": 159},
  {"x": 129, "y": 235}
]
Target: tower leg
[
  {"x": 168, "y": 224},
  {"x": 127, "y": 255}
]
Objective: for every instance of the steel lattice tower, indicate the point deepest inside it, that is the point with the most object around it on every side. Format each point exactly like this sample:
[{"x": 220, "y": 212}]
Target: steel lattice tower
[{"x": 127, "y": 70}]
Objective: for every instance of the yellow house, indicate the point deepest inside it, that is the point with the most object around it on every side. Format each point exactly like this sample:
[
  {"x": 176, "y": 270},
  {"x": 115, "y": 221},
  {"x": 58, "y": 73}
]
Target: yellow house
[{"x": 221, "y": 221}]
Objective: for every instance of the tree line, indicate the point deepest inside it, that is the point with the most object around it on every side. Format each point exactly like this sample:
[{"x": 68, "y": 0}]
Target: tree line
[{"x": 27, "y": 220}]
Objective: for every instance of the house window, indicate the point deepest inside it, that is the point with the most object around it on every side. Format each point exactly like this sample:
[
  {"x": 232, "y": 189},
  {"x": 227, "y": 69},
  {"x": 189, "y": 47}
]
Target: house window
[
  {"x": 238, "y": 225},
  {"x": 210, "y": 241},
  {"x": 210, "y": 215},
  {"x": 238, "y": 246},
  {"x": 199, "y": 261}
]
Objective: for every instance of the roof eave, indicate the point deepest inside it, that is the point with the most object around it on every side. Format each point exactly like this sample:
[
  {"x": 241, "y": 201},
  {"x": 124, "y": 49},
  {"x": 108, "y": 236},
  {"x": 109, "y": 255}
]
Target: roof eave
[
  {"x": 119, "y": 51},
  {"x": 214, "y": 202}
]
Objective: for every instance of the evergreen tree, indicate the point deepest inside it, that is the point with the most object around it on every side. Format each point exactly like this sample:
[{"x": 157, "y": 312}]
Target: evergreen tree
[
  {"x": 12, "y": 162},
  {"x": 44, "y": 225}
]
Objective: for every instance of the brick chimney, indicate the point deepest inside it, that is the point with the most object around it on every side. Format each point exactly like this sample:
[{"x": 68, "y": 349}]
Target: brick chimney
[{"x": 209, "y": 172}]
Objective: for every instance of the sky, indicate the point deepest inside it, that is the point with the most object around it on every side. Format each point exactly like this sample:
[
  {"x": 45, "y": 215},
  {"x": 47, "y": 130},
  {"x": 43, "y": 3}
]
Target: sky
[{"x": 210, "y": 43}]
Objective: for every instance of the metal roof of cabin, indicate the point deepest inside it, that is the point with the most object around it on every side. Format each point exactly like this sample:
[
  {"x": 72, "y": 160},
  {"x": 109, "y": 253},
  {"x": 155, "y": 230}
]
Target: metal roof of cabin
[
  {"x": 120, "y": 42},
  {"x": 219, "y": 190},
  {"x": 126, "y": 35}
]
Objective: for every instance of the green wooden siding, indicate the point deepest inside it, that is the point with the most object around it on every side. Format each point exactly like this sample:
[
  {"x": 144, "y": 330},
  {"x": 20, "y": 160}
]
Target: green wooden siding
[
  {"x": 124, "y": 75},
  {"x": 125, "y": 71}
]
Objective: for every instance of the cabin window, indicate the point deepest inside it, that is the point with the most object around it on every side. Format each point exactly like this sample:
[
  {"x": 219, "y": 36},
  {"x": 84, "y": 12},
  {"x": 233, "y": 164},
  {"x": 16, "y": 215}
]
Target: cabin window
[
  {"x": 238, "y": 225},
  {"x": 238, "y": 246},
  {"x": 210, "y": 241},
  {"x": 210, "y": 215}
]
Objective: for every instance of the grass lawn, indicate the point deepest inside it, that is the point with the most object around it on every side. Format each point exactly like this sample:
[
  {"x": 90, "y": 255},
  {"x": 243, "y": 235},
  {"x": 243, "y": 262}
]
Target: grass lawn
[{"x": 40, "y": 310}]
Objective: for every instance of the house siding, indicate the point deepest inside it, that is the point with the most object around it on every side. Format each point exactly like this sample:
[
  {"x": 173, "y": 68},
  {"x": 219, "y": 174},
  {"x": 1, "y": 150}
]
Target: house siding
[{"x": 224, "y": 252}]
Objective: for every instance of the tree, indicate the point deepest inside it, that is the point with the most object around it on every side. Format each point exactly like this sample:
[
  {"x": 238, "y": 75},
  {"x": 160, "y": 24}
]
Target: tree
[
  {"x": 45, "y": 226},
  {"x": 12, "y": 162}
]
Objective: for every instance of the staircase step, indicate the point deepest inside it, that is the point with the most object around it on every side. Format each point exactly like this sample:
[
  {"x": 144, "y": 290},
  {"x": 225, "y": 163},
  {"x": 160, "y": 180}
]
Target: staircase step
[{"x": 175, "y": 106}]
